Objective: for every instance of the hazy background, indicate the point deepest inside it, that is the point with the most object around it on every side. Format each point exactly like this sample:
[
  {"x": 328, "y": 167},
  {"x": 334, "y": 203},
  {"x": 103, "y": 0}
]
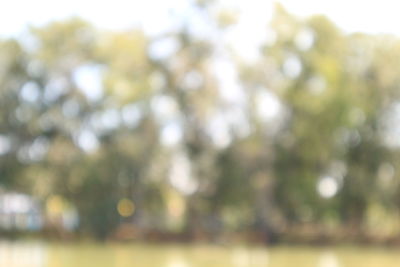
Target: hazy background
[{"x": 213, "y": 122}]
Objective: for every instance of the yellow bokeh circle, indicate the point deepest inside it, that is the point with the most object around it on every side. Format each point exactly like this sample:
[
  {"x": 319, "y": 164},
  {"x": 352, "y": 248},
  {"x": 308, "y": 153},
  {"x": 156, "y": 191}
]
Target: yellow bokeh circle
[{"x": 125, "y": 207}]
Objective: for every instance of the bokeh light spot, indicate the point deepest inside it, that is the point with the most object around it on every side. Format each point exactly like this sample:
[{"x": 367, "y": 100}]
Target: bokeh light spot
[{"x": 125, "y": 207}]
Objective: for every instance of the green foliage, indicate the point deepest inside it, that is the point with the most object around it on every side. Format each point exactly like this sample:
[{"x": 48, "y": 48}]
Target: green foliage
[{"x": 338, "y": 108}]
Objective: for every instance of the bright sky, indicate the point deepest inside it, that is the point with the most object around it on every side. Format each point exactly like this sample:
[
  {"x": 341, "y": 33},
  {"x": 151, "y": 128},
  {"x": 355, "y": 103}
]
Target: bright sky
[
  {"x": 352, "y": 15},
  {"x": 372, "y": 16}
]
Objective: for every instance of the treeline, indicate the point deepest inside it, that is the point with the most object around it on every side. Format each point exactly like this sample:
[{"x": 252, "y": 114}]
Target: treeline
[{"x": 177, "y": 133}]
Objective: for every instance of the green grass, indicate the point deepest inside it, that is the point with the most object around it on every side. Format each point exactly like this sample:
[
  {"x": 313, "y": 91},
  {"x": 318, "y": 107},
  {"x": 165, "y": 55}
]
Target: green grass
[{"x": 41, "y": 254}]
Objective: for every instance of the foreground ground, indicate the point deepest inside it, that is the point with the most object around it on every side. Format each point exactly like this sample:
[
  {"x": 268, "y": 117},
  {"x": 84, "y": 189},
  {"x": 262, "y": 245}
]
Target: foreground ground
[{"x": 42, "y": 254}]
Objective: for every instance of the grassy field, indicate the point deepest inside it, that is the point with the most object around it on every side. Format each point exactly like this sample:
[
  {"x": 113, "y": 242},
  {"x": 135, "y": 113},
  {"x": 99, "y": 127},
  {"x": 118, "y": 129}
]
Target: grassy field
[{"x": 40, "y": 254}]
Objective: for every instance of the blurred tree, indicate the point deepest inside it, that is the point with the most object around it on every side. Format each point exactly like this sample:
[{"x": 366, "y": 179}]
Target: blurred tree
[{"x": 191, "y": 138}]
